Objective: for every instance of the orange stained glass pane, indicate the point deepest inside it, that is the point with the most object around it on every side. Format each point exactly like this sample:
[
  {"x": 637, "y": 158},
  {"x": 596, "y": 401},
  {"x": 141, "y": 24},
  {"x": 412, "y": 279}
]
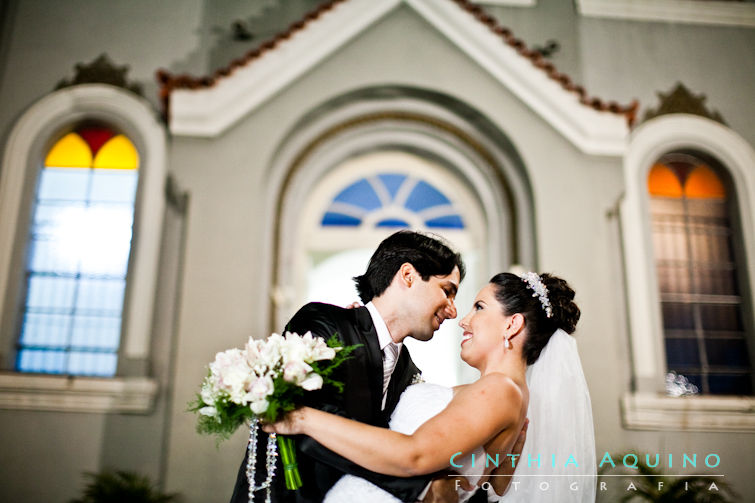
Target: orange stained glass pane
[
  {"x": 663, "y": 182},
  {"x": 117, "y": 153},
  {"x": 71, "y": 151},
  {"x": 703, "y": 183}
]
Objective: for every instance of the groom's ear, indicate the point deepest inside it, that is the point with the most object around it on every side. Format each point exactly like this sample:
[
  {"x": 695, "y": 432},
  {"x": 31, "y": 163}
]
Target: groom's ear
[{"x": 407, "y": 274}]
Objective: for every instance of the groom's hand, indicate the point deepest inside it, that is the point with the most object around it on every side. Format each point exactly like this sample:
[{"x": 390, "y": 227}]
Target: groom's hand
[{"x": 443, "y": 489}]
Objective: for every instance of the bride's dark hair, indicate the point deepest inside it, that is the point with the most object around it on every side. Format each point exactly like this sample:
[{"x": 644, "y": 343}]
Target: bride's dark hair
[{"x": 515, "y": 296}]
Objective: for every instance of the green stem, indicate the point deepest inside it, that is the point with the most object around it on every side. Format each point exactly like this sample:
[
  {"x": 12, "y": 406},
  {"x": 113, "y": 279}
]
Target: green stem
[{"x": 288, "y": 457}]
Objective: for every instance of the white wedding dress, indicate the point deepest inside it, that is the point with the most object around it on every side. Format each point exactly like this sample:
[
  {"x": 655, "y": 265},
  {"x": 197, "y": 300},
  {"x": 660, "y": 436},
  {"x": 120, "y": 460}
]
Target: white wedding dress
[{"x": 417, "y": 404}]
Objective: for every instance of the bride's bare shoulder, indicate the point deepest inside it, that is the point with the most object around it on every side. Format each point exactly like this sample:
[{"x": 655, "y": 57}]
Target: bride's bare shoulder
[
  {"x": 495, "y": 397},
  {"x": 495, "y": 386}
]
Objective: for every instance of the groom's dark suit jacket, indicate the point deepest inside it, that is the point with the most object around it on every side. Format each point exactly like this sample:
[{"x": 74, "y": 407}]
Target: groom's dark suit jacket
[{"x": 362, "y": 374}]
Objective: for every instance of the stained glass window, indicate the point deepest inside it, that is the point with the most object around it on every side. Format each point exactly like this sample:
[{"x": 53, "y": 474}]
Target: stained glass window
[
  {"x": 392, "y": 200},
  {"x": 700, "y": 287},
  {"x": 79, "y": 249}
]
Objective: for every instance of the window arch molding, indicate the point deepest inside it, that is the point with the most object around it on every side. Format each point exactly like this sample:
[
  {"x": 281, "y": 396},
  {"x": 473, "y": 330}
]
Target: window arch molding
[
  {"x": 27, "y": 144},
  {"x": 647, "y": 144},
  {"x": 351, "y": 126}
]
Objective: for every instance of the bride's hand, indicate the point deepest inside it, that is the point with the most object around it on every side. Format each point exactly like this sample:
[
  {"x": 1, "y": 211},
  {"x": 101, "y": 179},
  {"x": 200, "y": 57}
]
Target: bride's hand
[
  {"x": 291, "y": 424},
  {"x": 505, "y": 472}
]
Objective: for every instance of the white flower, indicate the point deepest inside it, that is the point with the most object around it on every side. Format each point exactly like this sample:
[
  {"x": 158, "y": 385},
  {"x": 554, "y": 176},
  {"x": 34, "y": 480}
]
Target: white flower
[
  {"x": 319, "y": 349},
  {"x": 232, "y": 374},
  {"x": 312, "y": 382},
  {"x": 208, "y": 393},
  {"x": 226, "y": 359},
  {"x": 295, "y": 371},
  {"x": 209, "y": 411},
  {"x": 270, "y": 351},
  {"x": 252, "y": 349},
  {"x": 294, "y": 348},
  {"x": 323, "y": 353},
  {"x": 260, "y": 389},
  {"x": 259, "y": 406}
]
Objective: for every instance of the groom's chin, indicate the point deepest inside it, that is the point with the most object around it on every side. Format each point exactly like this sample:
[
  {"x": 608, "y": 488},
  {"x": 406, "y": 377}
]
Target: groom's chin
[{"x": 424, "y": 337}]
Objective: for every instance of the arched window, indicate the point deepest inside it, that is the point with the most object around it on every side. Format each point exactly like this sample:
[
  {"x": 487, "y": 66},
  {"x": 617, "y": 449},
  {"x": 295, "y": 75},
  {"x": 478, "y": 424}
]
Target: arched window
[
  {"x": 77, "y": 292},
  {"x": 693, "y": 224},
  {"x": 688, "y": 239},
  {"x": 79, "y": 247},
  {"x": 392, "y": 200}
]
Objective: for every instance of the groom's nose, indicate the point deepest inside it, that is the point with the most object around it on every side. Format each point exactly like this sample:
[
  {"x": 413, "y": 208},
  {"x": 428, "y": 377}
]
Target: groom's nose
[{"x": 450, "y": 310}]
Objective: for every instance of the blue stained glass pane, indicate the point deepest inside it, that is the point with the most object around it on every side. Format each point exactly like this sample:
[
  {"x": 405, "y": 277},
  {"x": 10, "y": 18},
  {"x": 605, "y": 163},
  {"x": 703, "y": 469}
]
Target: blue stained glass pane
[
  {"x": 360, "y": 194},
  {"x": 68, "y": 184},
  {"x": 96, "y": 332},
  {"x": 114, "y": 185},
  {"x": 93, "y": 364},
  {"x": 101, "y": 295},
  {"x": 682, "y": 353},
  {"x": 425, "y": 196},
  {"x": 52, "y": 219},
  {"x": 38, "y": 360},
  {"x": 336, "y": 219},
  {"x": 727, "y": 352},
  {"x": 45, "y": 330},
  {"x": 391, "y": 222},
  {"x": 447, "y": 222},
  {"x": 48, "y": 256},
  {"x": 730, "y": 384},
  {"x": 50, "y": 292},
  {"x": 392, "y": 183}
]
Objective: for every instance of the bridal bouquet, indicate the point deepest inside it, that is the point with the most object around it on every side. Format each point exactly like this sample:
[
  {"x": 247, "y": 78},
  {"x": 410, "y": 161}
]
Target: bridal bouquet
[{"x": 263, "y": 381}]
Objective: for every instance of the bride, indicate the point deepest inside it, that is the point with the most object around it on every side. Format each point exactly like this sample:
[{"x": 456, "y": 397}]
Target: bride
[{"x": 514, "y": 323}]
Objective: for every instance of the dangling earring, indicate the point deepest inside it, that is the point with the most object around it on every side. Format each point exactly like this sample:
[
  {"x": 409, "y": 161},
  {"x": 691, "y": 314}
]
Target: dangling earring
[{"x": 506, "y": 343}]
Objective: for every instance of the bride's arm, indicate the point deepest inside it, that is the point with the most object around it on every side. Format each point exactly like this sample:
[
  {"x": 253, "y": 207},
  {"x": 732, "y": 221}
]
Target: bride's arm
[{"x": 475, "y": 414}]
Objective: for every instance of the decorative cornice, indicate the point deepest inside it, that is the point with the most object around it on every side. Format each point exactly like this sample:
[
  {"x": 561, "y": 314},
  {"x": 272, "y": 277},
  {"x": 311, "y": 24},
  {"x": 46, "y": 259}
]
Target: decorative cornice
[
  {"x": 206, "y": 106},
  {"x": 76, "y": 394},
  {"x": 672, "y": 11},
  {"x": 680, "y": 100},
  {"x": 101, "y": 71},
  {"x": 648, "y": 411}
]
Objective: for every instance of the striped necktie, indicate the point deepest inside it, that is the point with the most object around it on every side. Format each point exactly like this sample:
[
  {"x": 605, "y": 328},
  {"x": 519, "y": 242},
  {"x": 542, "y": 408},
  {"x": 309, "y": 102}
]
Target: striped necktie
[{"x": 390, "y": 357}]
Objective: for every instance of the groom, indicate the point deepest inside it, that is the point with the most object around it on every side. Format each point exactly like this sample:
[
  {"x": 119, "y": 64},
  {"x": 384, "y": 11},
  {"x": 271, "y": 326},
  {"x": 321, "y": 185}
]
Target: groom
[{"x": 409, "y": 289}]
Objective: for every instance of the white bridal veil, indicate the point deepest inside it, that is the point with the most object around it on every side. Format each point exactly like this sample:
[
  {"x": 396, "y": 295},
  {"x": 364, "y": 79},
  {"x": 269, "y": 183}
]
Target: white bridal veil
[{"x": 560, "y": 431}]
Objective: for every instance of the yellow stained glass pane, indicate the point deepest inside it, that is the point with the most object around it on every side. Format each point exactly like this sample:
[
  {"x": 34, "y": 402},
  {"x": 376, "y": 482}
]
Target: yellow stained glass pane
[
  {"x": 117, "y": 153},
  {"x": 703, "y": 183},
  {"x": 663, "y": 182},
  {"x": 71, "y": 151}
]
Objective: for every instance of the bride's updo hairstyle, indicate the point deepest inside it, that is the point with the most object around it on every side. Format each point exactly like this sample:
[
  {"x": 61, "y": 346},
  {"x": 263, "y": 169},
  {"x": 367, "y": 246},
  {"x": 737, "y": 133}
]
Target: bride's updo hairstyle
[{"x": 515, "y": 296}]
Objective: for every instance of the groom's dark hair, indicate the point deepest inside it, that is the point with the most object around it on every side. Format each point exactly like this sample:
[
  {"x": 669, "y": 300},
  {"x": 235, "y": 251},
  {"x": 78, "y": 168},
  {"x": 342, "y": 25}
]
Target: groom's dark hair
[{"x": 429, "y": 255}]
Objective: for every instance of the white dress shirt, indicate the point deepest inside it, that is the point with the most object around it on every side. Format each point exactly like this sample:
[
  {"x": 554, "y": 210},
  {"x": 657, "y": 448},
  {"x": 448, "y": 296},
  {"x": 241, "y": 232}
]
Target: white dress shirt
[{"x": 384, "y": 337}]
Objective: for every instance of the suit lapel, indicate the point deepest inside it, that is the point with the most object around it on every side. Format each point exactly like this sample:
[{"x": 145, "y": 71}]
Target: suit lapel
[{"x": 374, "y": 360}]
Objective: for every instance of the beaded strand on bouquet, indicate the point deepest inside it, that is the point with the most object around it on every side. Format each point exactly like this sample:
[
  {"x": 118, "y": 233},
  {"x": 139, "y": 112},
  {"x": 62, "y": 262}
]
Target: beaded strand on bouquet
[{"x": 272, "y": 453}]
